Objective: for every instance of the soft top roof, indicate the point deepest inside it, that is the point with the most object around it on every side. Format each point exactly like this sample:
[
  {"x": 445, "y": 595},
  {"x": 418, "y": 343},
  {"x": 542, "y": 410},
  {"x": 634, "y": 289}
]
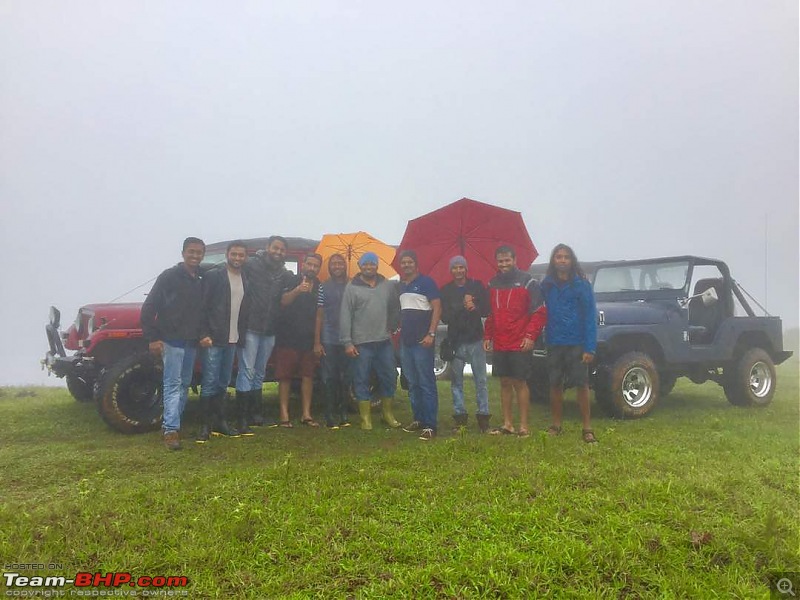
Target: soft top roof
[
  {"x": 296, "y": 244},
  {"x": 660, "y": 259}
]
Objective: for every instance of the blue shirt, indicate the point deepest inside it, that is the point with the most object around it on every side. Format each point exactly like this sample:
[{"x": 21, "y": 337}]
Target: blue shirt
[{"x": 416, "y": 309}]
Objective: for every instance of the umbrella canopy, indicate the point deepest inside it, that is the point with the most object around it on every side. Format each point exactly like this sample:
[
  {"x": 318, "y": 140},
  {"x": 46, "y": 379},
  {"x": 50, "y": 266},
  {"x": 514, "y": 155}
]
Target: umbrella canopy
[
  {"x": 469, "y": 228},
  {"x": 352, "y": 246}
]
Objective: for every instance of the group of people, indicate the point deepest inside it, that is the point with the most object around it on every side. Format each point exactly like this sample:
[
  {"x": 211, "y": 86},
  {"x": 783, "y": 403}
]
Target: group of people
[{"x": 247, "y": 308}]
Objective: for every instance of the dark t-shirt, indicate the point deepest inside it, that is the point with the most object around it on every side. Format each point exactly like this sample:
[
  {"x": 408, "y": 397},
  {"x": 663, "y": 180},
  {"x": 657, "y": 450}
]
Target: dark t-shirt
[{"x": 295, "y": 326}]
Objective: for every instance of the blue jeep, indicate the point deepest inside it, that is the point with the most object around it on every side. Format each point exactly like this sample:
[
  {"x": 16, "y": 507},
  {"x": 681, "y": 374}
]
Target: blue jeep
[{"x": 664, "y": 318}]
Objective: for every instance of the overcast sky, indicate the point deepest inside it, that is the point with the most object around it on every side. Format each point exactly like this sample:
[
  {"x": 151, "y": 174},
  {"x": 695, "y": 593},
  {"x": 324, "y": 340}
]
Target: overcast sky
[{"x": 627, "y": 129}]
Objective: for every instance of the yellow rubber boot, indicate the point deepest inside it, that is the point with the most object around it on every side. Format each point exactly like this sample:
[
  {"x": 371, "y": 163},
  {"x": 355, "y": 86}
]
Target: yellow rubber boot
[
  {"x": 365, "y": 410},
  {"x": 388, "y": 417}
]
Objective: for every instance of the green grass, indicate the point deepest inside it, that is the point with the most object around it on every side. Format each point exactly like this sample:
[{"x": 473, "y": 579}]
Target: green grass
[{"x": 698, "y": 500}]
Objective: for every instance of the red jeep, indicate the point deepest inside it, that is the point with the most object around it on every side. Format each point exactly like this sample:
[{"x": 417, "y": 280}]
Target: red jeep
[{"x": 111, "y": 364}]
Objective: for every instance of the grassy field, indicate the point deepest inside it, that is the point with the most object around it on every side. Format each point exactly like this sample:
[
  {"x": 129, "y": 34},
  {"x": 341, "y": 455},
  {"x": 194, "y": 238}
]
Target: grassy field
[{"x": 698, "y": 500}]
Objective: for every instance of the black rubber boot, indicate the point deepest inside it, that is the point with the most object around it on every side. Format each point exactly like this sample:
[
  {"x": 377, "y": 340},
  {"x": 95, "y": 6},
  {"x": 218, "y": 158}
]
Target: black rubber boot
[
  {"x": 242, "y": 413},
  {"x": 483, "y": 422},
  {"x": 329, "y": 390},
  {"x": 220, "y": 425},
  {"x": 255, "y": 417},
  {"x": 459, "y": 422},
  {"x": 205, "y": 418}
]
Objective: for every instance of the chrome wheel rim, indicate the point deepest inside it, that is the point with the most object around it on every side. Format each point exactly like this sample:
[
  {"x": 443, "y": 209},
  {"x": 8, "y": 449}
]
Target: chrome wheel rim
[
  {"x": 637, "y": 387},
  {"x": 760, "y": 380},
  {"x": 439, "y": 366}
]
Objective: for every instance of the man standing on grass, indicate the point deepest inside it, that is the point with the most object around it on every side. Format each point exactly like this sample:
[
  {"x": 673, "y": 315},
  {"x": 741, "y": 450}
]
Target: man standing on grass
[
  {"x": 224, "y": 317},
  {"x": 171, "y": 320},
  {"x": 266, "y": 278},
  {"x": 328, "y": 346},
  {"x": 514, "y": 324},
  {"x": 464, "y": 303},
  {"x": 294, "y": 342},
  {"x": 420, "y": 310},
  {"x": 571, "y": 335},
  {"x": 370, "y": 310}
]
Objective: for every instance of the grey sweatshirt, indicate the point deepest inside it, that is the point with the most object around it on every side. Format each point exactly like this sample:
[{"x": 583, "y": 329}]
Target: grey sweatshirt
[{"x": 369, "y": 314}]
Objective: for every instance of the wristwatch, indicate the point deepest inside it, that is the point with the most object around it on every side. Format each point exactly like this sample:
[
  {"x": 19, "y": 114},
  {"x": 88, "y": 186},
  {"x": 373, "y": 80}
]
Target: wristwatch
[{"x": 432, "y": 334}]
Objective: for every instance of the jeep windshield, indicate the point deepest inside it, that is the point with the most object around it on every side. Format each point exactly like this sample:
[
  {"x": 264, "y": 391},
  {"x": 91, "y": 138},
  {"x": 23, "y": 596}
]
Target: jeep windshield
[
  {"x": 641, "y": 277},
  {"x": 219, "y": 258}
]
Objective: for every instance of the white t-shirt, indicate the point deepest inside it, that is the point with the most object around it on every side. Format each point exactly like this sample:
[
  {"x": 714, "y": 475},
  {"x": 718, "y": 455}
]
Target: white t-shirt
[{"x": 237, "y": 294}]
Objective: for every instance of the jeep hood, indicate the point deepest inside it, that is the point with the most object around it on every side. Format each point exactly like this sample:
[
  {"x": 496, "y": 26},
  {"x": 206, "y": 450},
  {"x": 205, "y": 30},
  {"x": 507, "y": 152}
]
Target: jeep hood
[
  {"x": 115, "y": 316},
  {"x": 633, "y": 313}
]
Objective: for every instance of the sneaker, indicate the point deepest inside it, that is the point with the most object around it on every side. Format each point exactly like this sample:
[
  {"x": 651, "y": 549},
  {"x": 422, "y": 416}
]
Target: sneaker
[
  {"x": 413, "y": 426},
  {"x": 172, "y": 440},
  {"x": 427, "y": 434},
  {"x": 345, "y": 424}
]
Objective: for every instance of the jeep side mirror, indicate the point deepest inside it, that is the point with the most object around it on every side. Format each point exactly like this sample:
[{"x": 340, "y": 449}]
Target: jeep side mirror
[{"x": 708, "y": 298}]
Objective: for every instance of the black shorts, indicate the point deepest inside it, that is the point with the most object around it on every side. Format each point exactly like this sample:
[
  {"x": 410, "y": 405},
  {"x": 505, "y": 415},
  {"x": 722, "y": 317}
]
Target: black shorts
[
  {"x": 514, "y": 365},
  {"x": 565, "y": 367}
]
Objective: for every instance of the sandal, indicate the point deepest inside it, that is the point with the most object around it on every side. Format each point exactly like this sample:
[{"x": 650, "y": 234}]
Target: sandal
[
  {"x": 286, "y": 424},
  {"x": 554, "y": 430},
  {"x": 523, "y": 433},
  {"x": 310, "y": 422},
  {"x": 588, "y": 436},
  {"x": 502, "y": 431}
]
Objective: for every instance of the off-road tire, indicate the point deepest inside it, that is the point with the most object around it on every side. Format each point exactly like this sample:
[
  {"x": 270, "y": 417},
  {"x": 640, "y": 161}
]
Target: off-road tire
[
  {"x": 81, "y": 389},
  {"x": 130, "y": 398},
  {"x": 628, "y": 387},
  {"x": 751, "y": 380}
]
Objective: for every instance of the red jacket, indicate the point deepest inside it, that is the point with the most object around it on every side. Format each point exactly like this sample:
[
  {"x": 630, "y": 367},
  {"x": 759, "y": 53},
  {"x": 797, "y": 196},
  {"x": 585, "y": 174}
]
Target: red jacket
[{"x": 517, "y": 311}]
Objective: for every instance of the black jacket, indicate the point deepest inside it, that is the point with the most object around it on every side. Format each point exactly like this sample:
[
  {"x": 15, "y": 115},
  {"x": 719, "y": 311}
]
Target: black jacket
[
  {"x": 173, "y": 310},
  {"x": 464, "y": 326},
  {"x": 266, "y": 282},
  {"x": 217, "y": 307}
]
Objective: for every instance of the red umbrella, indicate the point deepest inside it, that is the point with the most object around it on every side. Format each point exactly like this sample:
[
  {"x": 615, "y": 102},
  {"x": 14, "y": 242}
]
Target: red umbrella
[{"x": 469, "y": 228}]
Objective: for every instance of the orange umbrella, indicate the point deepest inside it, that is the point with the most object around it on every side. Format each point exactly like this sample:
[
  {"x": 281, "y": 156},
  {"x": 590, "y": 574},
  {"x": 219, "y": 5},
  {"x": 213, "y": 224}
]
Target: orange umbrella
[{"x": 352, "y": 246}]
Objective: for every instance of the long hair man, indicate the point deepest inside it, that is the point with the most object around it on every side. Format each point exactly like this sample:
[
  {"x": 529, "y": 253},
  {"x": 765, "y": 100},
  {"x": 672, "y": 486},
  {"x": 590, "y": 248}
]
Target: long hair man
[{"x": 571, "y": 335}]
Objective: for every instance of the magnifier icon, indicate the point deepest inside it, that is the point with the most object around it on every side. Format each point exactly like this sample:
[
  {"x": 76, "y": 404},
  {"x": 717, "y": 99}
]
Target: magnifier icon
[{"x": 784, "y": 586}]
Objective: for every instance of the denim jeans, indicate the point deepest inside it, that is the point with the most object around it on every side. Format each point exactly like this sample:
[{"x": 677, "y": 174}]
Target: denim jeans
[
  {"x": 474, "y": 354},
  {"x": 178, "y": 370},
  {"x": 217, "y": 369},
  {"x": 418, "y": 369},
  {"x": 253, "y": 359},
  {"x": 335, "y": 373},
  {"x": 377, "y": 356}
]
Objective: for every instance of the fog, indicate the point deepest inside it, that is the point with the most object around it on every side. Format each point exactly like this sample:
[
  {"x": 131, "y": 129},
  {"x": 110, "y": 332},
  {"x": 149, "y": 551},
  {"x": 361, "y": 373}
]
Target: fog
[{"x": 626, "y": 129}]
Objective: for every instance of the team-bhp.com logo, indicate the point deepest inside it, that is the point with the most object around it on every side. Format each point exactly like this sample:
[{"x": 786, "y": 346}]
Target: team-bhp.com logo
[{"x": 21, "y": 585}]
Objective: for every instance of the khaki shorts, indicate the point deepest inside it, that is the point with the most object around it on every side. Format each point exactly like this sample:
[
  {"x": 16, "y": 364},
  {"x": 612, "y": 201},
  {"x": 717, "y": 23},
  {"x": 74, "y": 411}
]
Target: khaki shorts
[{"x": 291, "y": 363}]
